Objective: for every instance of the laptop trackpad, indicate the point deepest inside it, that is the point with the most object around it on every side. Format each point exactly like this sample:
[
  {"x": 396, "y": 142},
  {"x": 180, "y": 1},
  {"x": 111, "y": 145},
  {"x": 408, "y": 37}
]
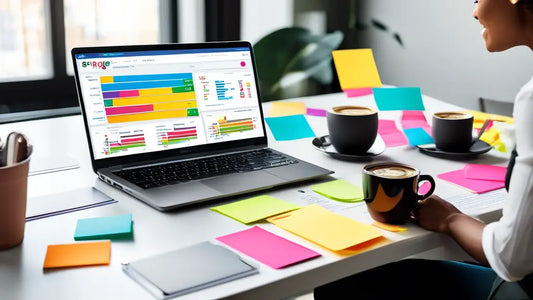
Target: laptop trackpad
[{"x": 242, "y": 181}]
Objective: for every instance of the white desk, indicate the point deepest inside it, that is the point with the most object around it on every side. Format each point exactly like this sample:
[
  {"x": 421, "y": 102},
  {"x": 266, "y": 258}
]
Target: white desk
[{"x": 22, "y": 276}]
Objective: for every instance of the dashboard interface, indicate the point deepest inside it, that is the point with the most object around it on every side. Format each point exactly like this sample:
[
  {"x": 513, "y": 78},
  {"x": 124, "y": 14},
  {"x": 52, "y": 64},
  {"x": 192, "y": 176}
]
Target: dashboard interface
[{"x": 146, "y": 101}]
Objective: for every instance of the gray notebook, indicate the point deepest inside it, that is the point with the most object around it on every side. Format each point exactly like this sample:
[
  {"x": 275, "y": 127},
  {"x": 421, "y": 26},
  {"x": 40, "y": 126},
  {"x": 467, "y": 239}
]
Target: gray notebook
[{"x": 188, "y": 269}]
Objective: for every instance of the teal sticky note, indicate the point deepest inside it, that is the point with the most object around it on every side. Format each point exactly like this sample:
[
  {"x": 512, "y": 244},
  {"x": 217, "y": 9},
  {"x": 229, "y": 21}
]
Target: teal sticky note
[
  {"x": 290, "y": 127},
  {"x": 418, "y": 136},
  {"x": 401, "y": 98},
  {"x": 114, "y": 227}
]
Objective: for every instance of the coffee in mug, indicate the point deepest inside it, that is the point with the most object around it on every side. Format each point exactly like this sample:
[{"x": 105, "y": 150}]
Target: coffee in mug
[
  {"x": 391, "y": 190},
  {"x": 352, "y": 129},
  {"x": 452, "y": 131}
]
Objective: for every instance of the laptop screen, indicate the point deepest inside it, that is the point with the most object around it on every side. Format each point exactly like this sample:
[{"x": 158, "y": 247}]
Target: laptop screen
[{"x": 145, "y": 101}]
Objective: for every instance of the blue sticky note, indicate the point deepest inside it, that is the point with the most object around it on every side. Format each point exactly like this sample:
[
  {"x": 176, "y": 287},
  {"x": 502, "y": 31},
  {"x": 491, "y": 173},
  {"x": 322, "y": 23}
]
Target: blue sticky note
[
  {"x": 401, "y": 98},
  {"x": 104, "y": 228},
  {"x": 290, "y": 127},
  {"x": 418, "y": 136}
]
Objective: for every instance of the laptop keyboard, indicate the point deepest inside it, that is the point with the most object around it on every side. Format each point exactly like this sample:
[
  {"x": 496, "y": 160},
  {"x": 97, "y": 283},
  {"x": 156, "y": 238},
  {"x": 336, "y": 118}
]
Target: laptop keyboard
[{"x": 172, "y": 173}]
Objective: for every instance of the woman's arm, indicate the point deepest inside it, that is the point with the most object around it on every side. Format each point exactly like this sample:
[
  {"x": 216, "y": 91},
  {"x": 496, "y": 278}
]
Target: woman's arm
[{"x": 438, "y": 215}]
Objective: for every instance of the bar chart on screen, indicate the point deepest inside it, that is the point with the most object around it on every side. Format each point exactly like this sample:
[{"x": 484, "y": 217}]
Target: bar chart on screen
[
  {"x": 123, "y": 141},
  {"x": 129, "y": 98},
  {"x": 175, "y": 134}
]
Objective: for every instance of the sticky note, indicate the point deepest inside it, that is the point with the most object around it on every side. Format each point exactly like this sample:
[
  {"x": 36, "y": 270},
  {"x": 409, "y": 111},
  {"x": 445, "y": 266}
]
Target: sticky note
[
  {"x": 318, "y": 112},
  {"x": 290, "y": 128},
  {"x": 400, "y": 98},
  {"x": 415, "y": 119},
  {"x": 473, "y": 185},
  {"x": 325, "y": 228},
  {"x": 78, "y": 254},
  {"x": 389, "y": 227},
  {"x": 339, "y": 189},
  {"x": 390, "y": 134},
  {"x": 356, "y": 68},
  {"x": 255, "y": 209},
  {"x": 267, "y": 247},
  {"x": 358, "y": 92},
  {"x": 114, "y": 227},
  {"x": 418, "y": 136},
  {"x": 279, "y": 109},
  {"x": 485, "y": 172}
]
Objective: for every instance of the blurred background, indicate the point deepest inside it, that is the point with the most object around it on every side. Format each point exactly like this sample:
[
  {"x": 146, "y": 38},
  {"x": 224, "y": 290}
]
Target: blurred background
[{"x": 435, "y": 45}]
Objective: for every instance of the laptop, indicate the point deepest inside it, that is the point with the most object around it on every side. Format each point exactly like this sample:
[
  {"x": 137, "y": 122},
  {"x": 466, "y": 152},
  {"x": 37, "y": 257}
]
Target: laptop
[{"x": 179, "y": 124}]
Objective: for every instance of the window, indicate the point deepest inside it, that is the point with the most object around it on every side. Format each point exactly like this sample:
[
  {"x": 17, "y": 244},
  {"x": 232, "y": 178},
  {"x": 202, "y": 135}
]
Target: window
[{"x": 36, "y": 37}]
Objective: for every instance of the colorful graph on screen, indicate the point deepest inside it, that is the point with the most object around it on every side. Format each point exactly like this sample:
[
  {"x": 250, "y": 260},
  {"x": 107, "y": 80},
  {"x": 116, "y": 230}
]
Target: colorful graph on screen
[
  {"x": 129, "y": 98},
  {"x": 176, "y": 134},
  {"x": 223, "y": 88},
  {"x": 124, "y": 141},
  {"x": 224, "y": 126}
]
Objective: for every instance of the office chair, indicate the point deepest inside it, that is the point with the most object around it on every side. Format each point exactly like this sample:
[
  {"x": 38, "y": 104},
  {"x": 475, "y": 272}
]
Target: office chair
[{"x": 496, "y": 107}]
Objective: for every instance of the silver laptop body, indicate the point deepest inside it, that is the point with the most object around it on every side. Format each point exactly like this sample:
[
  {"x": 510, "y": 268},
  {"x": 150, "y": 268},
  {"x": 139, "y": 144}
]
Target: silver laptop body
[{"x": 150, "y": 106}]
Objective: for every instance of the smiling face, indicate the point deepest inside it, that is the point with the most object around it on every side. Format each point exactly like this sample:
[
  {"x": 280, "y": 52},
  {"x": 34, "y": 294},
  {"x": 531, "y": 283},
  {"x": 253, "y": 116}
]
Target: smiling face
[{"x": 503, "y": 27}]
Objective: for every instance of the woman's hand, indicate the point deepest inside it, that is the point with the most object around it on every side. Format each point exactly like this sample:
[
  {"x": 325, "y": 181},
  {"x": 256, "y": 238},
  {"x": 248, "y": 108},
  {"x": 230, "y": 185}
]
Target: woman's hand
[{"x": 435, "y": 214}]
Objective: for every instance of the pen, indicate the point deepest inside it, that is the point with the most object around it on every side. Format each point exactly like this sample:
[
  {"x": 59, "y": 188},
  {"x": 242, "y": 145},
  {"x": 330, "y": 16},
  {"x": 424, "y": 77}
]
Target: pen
[{"x": 15, "y": 149}]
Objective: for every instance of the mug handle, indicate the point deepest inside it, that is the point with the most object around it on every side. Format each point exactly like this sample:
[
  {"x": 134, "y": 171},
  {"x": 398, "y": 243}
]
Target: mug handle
[{"x": 431, "y": 189}]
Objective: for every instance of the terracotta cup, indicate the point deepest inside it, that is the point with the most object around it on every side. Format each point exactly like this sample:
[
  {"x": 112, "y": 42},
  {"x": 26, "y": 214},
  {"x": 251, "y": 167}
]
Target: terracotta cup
[{"x": 13, "y": 190}]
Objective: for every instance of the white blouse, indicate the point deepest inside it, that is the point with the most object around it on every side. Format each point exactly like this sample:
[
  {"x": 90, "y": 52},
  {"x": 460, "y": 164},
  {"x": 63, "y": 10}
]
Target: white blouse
[{"x": 508, "y": 243}]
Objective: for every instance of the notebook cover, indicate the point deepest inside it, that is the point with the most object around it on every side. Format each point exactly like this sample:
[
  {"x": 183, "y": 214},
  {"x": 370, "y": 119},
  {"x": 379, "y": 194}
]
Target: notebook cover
[{"x": 188, "y": 269}]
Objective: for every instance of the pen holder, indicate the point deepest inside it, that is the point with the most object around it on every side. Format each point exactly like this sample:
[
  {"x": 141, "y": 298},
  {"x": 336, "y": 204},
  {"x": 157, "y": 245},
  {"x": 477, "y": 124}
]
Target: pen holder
[{"x": 13, "y": 190}]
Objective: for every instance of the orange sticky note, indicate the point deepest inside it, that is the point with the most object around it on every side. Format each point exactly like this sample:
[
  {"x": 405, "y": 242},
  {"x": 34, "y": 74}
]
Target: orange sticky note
[
  {"x": 325, "y": 228},
  {"x": 281, "y": 109},
  {"x": 78, "y": 254},
  {"x": 389, "y": 227},
  {"x": 356, "y": 68}
]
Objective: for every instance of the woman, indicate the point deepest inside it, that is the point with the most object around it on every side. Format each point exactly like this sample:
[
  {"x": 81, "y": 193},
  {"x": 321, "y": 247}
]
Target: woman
[{"x": 506, "y": 245}]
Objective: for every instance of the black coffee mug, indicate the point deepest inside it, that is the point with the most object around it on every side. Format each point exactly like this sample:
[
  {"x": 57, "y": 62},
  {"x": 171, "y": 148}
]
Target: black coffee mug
[
  {"x": 352, "y": 129},
  {"x": 452, "y": 131},
  {"x": 391, "y": 190}
]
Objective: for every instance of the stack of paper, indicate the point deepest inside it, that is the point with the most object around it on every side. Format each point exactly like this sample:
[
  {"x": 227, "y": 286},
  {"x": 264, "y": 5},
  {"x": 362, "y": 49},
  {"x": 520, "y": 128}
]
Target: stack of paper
[{"x": 477, "y": 178}]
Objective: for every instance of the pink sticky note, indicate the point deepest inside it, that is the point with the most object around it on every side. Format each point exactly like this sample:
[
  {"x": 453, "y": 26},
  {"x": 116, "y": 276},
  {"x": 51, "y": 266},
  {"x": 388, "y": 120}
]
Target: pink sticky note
[
  {"x": 390, "y": 134},
  {"x": 485, "y": 172},
  {"x": 316, "y": 112},
  {"x": 267, "y": 247},
  {"x": 474, "y": 185},
  {"x": 358, "y": 92},
  {"x": 413, "y": 115}
]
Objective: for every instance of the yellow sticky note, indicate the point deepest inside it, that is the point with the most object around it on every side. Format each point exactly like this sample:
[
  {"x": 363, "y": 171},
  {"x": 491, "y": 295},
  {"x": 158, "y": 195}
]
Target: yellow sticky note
[
  {"x": 340, "y": 190},
  {"x": 255, "y": 208},
  {"x": 325, "y": 228},
  {"x": 356, "y": 68},
  {"x": 78, "y": 254},
  {"x": 280, "y": 109}
]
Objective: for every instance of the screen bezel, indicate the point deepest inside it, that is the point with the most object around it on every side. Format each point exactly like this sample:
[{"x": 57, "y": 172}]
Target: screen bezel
[{"x": 170, "y": 153}]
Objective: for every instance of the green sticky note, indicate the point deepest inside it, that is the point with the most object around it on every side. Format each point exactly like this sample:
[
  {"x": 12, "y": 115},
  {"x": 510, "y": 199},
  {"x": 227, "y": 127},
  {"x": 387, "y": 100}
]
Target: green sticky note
[
  {"x": 340, "y": 190},
  {"x": 401, "y": 98},
  {"x": 114, "y": 227},
  {"x": 255, "y": 209},
  {"x": 290, "y": 127}
]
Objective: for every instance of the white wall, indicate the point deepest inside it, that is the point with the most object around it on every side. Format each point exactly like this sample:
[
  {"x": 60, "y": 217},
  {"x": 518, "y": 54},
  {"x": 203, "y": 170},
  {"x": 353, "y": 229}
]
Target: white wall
[
  {"x": 261, "y": 17},
  {"x": 444, "y": 52}
]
